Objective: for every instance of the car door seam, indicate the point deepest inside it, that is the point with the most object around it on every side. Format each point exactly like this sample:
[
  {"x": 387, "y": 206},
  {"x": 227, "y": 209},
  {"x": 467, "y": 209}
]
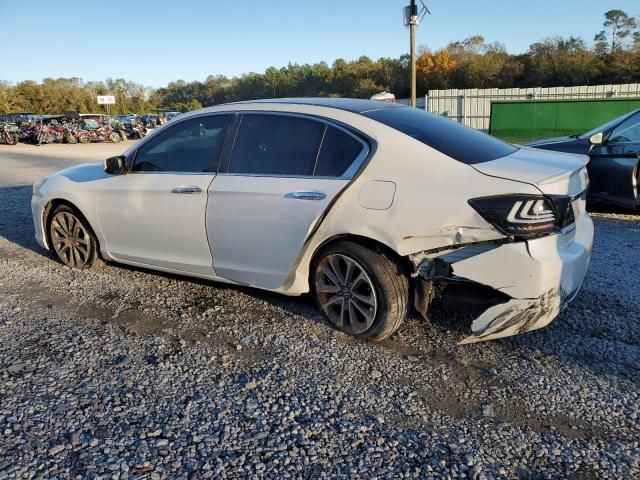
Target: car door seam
[{"x": 294, "y": 267}]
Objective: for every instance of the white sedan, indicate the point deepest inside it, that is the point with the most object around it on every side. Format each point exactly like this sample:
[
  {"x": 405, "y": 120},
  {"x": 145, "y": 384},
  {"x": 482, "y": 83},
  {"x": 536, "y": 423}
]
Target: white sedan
[{"x": 373, "y": 207}]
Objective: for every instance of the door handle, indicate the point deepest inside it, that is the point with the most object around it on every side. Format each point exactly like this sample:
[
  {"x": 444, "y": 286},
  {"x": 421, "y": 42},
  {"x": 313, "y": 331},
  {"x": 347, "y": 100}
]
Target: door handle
[
  {"x": 187, "y": 189},
  {"x": 306, "y": 195}
]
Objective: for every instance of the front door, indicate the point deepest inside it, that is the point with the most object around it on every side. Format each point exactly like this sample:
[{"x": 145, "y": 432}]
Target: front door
[
  {"x": 282, "y": 175},
  {"x": 155, "y": 214},
  {"x": 613, "y": 169}
]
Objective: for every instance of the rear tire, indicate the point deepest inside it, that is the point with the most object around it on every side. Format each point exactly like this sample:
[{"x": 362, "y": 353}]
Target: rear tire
[
  {"x": 12, "y": 139},
  {"x": 72, "y": 239},
  {"x": 363, "y": 292}
]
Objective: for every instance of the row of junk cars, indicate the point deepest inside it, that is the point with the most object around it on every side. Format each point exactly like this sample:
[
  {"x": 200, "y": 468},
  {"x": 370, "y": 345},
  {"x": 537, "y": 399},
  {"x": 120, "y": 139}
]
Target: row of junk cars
[{"x": 73, "y": 127}]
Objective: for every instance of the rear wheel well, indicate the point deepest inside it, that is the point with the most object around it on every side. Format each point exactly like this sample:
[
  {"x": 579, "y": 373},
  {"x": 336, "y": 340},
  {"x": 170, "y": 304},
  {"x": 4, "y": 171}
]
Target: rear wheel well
[
  {"x": 48, "y": 214},
  {"x": 403, "y": 262}
]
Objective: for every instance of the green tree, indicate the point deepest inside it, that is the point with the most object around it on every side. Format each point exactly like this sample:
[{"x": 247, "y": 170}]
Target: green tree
[
  {"x": 558, "y": 61},
  {"x": 194, "y": 105},
  {"x": 478, "y": 64},
  {"x": 6, "y": 97}
]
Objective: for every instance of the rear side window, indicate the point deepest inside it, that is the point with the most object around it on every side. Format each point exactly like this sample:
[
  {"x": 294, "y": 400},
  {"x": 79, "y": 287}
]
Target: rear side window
[
  {"x": 338, "y": 152},
  {"x": 276, "y": 145},
  {"x": 190, "y": 146},
  {"x": 461, "y": 143}
]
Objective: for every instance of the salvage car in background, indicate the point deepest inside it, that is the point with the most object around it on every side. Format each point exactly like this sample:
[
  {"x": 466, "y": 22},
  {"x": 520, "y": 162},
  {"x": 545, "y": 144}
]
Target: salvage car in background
[
  {"x": 371, "y": 206},
  {"x": 614, "y": 168}
]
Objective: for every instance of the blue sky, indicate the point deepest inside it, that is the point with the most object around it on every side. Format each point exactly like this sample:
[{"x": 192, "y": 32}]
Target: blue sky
[{"x": 154, "y": 42}]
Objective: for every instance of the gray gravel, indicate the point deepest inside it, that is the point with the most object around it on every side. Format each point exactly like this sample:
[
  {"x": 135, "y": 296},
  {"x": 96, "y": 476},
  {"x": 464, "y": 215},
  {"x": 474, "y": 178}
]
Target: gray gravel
[{"x": 124, "y": 373}]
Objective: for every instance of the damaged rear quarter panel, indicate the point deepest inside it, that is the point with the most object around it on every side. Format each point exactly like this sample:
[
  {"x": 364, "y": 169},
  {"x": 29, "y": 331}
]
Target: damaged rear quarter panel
[{"x": 430, "y": 208}]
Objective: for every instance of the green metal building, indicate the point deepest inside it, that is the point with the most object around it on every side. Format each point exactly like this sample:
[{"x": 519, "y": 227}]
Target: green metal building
[{"x": 523, "y": 121}]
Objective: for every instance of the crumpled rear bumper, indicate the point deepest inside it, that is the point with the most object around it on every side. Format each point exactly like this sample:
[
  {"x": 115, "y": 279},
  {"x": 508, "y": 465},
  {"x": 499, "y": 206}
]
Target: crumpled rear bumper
[{"x": 530, "y": 280}]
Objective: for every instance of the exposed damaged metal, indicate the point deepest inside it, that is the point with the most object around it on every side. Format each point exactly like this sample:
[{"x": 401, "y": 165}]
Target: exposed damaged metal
[
  {"x": 496, "y": 313},
  {"x": 514, "y": 317},
  {"x": 464, "y": 249},
  {"x": 436, "y": 281}
]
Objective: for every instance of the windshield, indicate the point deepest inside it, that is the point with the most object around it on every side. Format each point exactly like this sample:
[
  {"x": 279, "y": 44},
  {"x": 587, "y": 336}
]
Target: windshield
[
  {"x": 607, "y": 126},
  {"x": 461, "y": 143}
]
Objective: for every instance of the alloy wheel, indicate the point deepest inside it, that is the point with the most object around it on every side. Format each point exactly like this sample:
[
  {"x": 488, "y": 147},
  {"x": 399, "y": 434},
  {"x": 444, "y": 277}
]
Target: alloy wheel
[
  {"x": 346, "y": 293},
  {"x": 71, "y": 241}
]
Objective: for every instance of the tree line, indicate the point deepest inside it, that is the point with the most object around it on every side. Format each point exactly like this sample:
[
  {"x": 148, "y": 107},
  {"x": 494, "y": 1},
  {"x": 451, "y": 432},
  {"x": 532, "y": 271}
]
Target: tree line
[{"x": 614, "y": 57}]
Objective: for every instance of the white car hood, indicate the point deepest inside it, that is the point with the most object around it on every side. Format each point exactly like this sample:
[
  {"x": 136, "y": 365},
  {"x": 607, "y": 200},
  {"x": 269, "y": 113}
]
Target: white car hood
[
  {"x": 552, "y": 172},
  {"x": 84, "y": 172}
]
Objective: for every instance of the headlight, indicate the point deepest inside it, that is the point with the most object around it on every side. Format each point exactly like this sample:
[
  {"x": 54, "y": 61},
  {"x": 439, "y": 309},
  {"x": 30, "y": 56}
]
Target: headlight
[
  {"x": 525, "y": 215},
  {"x": 38, "y": 185}
]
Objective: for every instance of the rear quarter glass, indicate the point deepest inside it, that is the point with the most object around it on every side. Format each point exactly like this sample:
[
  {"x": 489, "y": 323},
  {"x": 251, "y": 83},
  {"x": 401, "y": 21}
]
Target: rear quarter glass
[{"x": 461, "y": 143}]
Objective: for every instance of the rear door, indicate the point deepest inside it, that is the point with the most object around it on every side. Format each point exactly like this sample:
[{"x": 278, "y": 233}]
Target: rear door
[
  {"x": 613, "y": 168},
  {"x": 282, "y": 174}
]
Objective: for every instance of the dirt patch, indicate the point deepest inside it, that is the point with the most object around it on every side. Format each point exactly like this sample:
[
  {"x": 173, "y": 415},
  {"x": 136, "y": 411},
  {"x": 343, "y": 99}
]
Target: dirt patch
[
  {"x": 140, "y": 323},
  {"x": 517, "y": 413},
  {"x": 454, "y": 394}
]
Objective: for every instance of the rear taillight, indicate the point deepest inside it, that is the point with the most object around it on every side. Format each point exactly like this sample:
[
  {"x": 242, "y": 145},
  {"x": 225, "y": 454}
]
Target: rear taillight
[
  {"x": 526, "y": 216},
  {"x": 564, "y": 209}
]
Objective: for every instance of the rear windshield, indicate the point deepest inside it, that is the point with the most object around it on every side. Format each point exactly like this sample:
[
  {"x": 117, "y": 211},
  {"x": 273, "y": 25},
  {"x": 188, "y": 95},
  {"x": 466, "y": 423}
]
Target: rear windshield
[{"x": 445, "y": 135}]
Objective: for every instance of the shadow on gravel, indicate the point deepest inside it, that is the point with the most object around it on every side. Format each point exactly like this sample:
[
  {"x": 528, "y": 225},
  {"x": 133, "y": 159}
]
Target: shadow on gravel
[
  {"x": 604, "y": 350},
  {"x": 573, "y": 341},
  {"x": 16, "y": 224}
]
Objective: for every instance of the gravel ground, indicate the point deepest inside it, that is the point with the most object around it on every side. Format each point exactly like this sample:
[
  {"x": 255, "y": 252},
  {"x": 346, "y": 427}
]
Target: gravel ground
[{"x": 125, "y": 373}]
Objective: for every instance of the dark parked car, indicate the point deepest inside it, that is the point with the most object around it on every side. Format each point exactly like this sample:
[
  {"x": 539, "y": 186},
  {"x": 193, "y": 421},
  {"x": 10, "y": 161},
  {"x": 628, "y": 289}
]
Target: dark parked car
[
  {"x": 614, "y": 150},
  {"x": 18, "y": 117}
]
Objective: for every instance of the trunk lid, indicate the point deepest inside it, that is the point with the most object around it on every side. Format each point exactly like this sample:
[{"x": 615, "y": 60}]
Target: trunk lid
[{"x": 553, "y": 173}]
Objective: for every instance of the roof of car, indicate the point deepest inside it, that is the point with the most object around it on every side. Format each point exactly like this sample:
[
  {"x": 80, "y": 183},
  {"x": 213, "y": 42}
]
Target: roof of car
[{"x": 353, "y": 105}]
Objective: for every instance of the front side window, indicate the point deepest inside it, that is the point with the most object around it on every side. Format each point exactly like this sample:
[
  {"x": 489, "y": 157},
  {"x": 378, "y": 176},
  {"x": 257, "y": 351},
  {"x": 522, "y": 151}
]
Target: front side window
[
  {"x": 276, "y": 145},
  {"x": 628, "y": 131},
  {"x": 193, "y": 145},
  {"x": 606, "y": 127}
]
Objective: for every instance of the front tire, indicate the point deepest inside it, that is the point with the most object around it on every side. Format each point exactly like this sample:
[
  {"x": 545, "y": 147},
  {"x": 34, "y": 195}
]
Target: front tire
[
  {"x": 363, "y": 292},
  {"x": 72, "y": 238}
]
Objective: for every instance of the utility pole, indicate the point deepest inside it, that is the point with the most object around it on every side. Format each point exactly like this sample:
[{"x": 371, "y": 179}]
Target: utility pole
[
  {"x": 412, "y": 16},
  {"x": 413, "y": 19}
]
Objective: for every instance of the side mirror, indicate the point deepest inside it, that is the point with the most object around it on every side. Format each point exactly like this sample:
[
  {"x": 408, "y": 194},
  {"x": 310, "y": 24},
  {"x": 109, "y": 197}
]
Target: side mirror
[
  {"x": 596, "y": 139},
  {"x": 115, "y": 165}
]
